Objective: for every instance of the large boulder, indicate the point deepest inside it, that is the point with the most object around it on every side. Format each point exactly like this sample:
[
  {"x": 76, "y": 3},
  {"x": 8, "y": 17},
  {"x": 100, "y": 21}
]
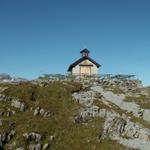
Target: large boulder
[{"x": 17, "y": 104}]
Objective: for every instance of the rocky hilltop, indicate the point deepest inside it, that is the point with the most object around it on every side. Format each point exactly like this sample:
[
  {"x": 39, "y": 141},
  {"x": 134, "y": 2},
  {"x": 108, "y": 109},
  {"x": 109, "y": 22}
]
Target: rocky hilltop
[{"x": 77, "y": 114}]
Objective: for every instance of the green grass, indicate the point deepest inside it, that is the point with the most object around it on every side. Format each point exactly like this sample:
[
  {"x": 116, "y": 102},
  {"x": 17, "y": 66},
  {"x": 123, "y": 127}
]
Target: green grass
[
  {"x": 110, "y": 107},
  {"x": 115, "y": 90},
  {"x": 141, "y": 121},
  {"x": 56, "y": 98},
  {"x": 142, "y": 100},
  {"x": 100, "y": 104}
]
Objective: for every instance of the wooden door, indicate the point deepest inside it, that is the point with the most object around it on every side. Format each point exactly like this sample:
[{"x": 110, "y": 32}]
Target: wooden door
[{"x": 85, "y": 70}]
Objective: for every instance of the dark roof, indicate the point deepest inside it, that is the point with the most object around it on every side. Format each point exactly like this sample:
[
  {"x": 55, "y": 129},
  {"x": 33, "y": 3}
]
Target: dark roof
[
  {"x": 80, "y": 60},
  {"x": 85, "y": 51}
]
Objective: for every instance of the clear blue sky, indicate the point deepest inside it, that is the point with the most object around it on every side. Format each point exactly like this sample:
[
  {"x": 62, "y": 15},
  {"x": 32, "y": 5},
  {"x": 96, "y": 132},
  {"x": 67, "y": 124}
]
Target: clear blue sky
[{"x": 45, "y": 36}]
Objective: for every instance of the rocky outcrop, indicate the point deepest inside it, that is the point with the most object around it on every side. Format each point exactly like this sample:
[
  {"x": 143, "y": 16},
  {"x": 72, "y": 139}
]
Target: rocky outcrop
[
  {"x": 85, "y": 98},
  {"x": 8, "y": 112},
  {"x": 4, "y": 98},
  {"x": 17, "y": 104},
  {"x": 116, "y": 126},
  {"x": 14, "y": 102},
  {"x": 6, "y": 136},
  {"x": 40, "y": 111},
  {"x": 39, "y": 147},
  {"x": 32, "y": 136},
  {"x": 35, "y": 147},
  {"x": 118, "y": 100},
  {"x": 126, "y": 85},
  {"x": 120, "y": 127}
]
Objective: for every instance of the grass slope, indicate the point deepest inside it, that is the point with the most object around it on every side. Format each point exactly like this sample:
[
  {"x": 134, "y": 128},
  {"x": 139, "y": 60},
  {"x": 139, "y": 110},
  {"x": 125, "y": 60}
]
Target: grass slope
[{"x": 56, "y": 98}]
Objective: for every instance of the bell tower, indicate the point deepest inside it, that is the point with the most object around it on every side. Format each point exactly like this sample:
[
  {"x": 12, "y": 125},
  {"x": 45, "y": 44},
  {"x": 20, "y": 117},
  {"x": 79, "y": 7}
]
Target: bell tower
[{"x": 85, "y": 53}]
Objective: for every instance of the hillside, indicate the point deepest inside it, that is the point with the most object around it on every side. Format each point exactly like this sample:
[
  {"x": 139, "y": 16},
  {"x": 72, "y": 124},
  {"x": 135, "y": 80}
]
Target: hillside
[{"x": 77, "y": 115}]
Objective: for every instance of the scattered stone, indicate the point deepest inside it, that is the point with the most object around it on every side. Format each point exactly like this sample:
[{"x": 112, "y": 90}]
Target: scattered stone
[
  {"x": 42, "y": 111},
  {"x": 18, "y": 104},
  {"x": 2, "y": 97},
  {"x": 46, "y": 114},
  {"x": 52, "y": 138},
  {"x": 8, "y": 114},
  {"x": 35, "y": 147},
  {"x": 20, "y": 148},
  {"x": 46, "y": 146},
  {"x": 6, "y": 137},
  {"x": 22, "y": 107},
  {"x": 31, "y": 108},
  {"x": 36, "y": 112},
  {"x": 32, "y": 136}
]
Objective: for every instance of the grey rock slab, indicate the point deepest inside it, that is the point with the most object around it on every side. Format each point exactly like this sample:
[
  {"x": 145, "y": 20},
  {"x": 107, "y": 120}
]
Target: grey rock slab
[
  {"x": 16, "y": 103},
  {"x": 85, "y": 98},
  {"x": 119, "y": 101},
  {"x": 134, "y": 143},
  {"x": 146, "y": 115}
]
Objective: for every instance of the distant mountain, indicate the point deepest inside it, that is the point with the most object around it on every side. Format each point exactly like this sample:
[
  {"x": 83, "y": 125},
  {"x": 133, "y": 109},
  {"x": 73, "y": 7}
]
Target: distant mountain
[{"x": 7, "y": 78}]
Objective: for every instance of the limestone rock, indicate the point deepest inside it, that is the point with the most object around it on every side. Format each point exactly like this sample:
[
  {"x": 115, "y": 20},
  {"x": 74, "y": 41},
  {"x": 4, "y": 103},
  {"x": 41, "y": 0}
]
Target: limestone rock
[
  {"x": 35, "y": 147},
  {"x": 46, "y": 146},
  {"x": 52, "y": 137},
  {"x": 20, "y": 148},
  {"x": 36, "y": 111},
  {"x": 42, "y": 111},
  {"x": 18, "y": 104},
  {"x": 32, "y": 136},
  {"x": 6, "y": 137}
]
